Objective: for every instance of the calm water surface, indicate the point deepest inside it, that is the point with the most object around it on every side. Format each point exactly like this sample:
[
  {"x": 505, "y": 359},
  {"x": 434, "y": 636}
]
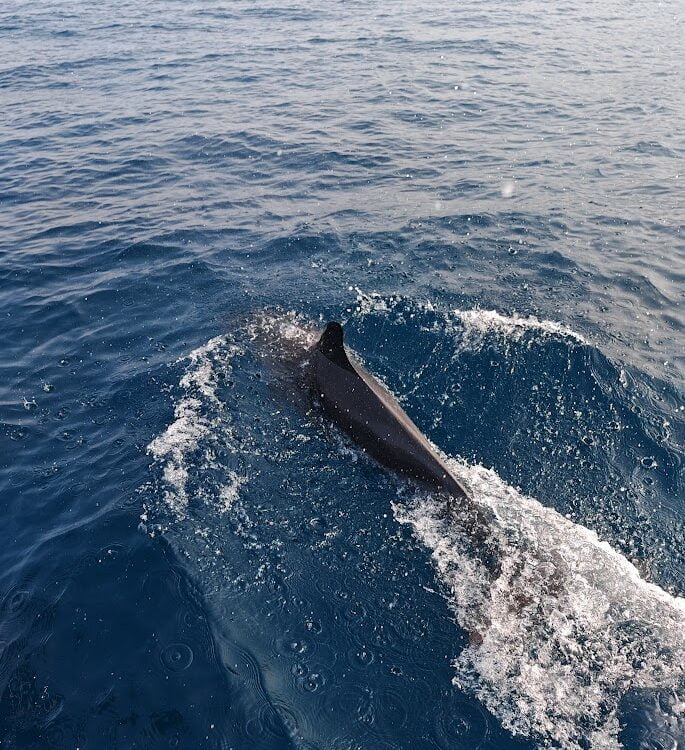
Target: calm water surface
[{"x": 490, "y": 195}]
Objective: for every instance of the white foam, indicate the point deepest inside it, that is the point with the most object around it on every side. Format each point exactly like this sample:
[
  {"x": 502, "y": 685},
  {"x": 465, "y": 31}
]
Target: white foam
[
  {"x": 373, "y": 302},
  {"x": 477, "y": 324},
  {"x": 202, "y": 423},
  {"x": 473, "y": 326},
  {"x": 229, "y": 493},
  {"x": 566, "y": 628},
  {"x": 172, "y": 449}
]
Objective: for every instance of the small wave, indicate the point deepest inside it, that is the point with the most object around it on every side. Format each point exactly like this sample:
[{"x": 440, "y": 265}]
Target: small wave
[
  {"x": 475, "y": 326},
  {"x": 565, "y": 631}
]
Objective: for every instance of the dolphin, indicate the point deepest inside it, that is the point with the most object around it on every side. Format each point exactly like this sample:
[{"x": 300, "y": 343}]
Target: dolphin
[{"x": 368, "y": 413}]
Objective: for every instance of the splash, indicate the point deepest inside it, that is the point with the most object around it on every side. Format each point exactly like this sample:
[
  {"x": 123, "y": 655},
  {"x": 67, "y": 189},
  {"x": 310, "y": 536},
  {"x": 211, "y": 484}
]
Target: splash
[
  {"x": 186, "y": 451},
  {"x": 566, "y": 629},
  {"x": 175, "y": 449},
  {"x": 274, "y": 329}
]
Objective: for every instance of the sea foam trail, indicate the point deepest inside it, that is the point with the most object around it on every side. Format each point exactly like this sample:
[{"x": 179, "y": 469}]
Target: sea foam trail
[{"x": 566, "y": 629}]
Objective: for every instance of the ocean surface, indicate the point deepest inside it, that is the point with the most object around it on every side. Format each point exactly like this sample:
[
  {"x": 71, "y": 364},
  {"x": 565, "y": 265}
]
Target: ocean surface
[{"x": 491, "y": 197}]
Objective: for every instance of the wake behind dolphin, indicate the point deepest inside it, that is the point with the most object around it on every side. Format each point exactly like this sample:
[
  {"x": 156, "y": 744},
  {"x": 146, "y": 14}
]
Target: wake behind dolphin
[{"x": 505, "y": 580}]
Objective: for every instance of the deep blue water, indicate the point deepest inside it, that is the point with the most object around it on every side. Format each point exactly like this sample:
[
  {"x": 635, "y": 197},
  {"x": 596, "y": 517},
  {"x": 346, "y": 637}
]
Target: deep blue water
[{"x": 490, "y": 195}]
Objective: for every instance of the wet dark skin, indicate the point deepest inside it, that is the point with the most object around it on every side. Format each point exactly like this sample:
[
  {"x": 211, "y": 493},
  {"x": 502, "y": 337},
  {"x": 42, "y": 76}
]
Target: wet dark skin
[{"x": 369, "y": 414}]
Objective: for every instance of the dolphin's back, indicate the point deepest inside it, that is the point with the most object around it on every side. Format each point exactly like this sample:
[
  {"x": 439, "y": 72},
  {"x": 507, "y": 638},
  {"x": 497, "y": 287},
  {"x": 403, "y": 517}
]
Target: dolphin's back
[{"x": 367, "y": 412}]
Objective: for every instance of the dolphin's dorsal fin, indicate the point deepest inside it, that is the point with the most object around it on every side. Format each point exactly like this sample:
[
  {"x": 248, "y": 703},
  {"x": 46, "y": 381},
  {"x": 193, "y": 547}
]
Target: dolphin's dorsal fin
[{"x": 331, "y": 346}]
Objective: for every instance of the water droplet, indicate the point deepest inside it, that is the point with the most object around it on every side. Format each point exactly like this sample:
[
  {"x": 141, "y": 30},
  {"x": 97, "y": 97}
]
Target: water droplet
[{"x": 177, "y": 657}]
